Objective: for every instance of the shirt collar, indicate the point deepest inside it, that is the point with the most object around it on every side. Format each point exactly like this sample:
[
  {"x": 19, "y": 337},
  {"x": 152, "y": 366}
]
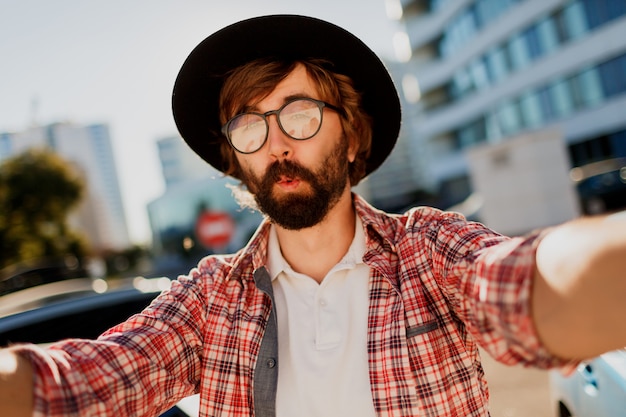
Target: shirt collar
[{"x": 276, "y": 263}]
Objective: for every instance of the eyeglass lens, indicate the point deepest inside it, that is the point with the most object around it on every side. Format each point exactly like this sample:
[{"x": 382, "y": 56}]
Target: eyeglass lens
[{"x": 299, "y": 119}]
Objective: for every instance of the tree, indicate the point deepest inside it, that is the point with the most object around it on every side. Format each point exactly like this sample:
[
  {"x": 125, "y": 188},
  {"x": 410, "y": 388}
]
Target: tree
[{"x": 38, "y": 189}]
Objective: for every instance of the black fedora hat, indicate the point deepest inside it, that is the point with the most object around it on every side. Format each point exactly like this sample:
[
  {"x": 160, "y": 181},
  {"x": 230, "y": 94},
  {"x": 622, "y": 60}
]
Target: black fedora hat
[{"x": 287, "y": 37}]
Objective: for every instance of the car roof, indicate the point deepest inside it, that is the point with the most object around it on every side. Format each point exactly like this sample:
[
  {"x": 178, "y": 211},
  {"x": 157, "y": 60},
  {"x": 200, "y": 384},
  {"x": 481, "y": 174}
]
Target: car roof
[{"x": 79, "y": 312}]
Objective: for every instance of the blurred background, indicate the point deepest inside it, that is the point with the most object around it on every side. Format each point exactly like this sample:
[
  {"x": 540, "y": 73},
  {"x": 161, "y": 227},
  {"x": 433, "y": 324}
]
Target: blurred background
[{"x": 514, "y": 114}]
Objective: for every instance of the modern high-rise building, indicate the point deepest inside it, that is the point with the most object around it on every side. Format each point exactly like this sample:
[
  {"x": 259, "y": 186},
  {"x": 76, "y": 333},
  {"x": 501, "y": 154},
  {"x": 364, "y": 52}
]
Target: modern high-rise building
[
  {"x": 401, "y": 180},
  {"x": 179, "y": 164},
  {"x": 485, "y": 71},
  {"x": 101, "y": 215}
]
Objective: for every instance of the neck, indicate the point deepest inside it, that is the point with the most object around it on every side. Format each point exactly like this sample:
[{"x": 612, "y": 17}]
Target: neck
[{"x": 315, "y": 250}]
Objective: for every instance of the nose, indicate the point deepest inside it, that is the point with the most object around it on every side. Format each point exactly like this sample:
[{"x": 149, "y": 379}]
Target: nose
[{"x": 279, "y": 144}]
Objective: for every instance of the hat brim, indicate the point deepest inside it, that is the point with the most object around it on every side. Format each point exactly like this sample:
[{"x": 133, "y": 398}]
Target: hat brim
[{"x": 289, "y": 37}]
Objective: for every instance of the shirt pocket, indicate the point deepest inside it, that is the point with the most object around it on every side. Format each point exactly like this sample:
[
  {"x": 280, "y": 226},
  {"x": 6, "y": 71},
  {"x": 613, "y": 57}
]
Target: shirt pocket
[
  {"x": 444, "y": 375},
  {"x": 426, "y": 346}
]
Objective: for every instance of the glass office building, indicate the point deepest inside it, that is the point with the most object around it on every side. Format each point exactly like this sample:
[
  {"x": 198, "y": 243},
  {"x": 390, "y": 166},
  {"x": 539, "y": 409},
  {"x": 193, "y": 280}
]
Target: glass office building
[
  {"x": 100, "y": 216},
  {"x": 489, "y": 70}
]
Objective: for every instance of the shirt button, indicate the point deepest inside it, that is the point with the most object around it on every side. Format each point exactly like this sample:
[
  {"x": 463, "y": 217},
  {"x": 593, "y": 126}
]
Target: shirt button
[
  {"x": 323, "y": 302},
  {"x": 271, "y": 363}
]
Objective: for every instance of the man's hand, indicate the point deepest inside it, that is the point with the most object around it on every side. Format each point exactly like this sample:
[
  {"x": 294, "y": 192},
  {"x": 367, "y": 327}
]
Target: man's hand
[
  {"x": 579, "y": 293},
  {"x": 16, "y": 385}
]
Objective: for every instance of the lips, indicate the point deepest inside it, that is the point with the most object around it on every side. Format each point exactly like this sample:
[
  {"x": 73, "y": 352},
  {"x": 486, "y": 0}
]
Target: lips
[
  {"x": 288, "y": 182},
  {"x": 287, "y": 175}
]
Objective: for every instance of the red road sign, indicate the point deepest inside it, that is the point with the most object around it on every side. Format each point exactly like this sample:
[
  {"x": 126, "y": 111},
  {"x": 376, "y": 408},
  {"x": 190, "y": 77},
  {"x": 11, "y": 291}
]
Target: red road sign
[{"x": 214, "y": 229}]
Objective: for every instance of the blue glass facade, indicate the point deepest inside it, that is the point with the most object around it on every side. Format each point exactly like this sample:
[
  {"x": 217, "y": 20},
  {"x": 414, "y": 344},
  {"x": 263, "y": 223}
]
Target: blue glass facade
[
  {"x": 468, "y": 23},
  {"x": 494, "y": 69},
  {"x": 542, "y": 38},
  {"x": 560, "y": 98}
]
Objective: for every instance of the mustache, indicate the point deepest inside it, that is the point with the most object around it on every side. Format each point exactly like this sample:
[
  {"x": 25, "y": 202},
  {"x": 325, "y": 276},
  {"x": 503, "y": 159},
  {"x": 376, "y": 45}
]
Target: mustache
[{"x": 289, "y": 169}]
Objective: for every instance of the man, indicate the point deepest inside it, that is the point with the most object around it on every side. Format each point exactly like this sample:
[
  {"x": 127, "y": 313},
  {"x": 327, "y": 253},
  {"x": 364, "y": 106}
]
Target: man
[{"x": 333, "y": 308}]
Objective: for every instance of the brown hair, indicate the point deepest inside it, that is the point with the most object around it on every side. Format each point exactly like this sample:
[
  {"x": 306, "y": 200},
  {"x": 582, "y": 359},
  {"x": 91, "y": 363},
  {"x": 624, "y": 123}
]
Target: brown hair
[{"x": 255, "y": 80}]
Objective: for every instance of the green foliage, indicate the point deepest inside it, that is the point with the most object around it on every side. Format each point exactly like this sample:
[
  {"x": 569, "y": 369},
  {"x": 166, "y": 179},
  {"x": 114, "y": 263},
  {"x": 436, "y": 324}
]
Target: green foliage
[{"x": 38, "y": 189}]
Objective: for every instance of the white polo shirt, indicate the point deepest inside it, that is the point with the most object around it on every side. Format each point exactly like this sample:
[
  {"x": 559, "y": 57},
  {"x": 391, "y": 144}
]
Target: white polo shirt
[{"x": 322, "y": 336}]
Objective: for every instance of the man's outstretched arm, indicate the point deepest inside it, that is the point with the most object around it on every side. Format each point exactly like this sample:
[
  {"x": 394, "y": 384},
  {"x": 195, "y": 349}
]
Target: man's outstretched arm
[
  {"x": 16, "y": 385},
  {"x": 579, "y": 293}
]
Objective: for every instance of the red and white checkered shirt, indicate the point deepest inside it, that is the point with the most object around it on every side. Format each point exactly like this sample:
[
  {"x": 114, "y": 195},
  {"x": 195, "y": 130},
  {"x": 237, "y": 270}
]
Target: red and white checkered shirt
[{"x": 439, "y": 287}]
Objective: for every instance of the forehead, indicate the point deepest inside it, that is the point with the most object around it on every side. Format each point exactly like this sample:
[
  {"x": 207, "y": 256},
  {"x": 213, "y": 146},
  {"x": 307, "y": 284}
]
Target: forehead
[{"x": 298, "y": 83}]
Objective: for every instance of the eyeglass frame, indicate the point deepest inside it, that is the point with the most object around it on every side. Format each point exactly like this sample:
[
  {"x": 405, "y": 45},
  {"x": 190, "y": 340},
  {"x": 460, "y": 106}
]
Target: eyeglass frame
[{"x": 320, "y": 105}]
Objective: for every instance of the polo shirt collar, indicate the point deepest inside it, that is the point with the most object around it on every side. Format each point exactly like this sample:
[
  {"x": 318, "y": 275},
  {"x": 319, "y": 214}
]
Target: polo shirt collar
[{"x": 276, "y": 263}]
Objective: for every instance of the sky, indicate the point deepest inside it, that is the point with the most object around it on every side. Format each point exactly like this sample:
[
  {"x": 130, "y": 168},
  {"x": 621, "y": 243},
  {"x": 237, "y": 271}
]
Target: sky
[{"x": 115, "y": 62}]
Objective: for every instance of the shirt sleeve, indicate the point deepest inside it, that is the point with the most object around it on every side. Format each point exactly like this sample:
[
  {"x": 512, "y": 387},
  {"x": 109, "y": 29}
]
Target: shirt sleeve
[
  {"x": 487, "y": 279},
  {"x": 140, "y": 367}
]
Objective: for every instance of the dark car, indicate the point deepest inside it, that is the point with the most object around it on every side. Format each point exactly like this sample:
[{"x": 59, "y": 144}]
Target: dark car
[
  {"x": 79, "y": 308},
  {"x": 601, "y": 185}
]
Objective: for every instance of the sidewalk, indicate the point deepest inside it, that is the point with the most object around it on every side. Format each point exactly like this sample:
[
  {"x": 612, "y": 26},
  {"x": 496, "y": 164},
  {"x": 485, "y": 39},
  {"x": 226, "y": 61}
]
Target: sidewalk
[{"x": 517, "y": 391}]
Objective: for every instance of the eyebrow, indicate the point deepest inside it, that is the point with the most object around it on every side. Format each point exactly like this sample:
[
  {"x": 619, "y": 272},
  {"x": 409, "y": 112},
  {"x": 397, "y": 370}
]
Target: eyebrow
[{"x": 290, "y": 97}]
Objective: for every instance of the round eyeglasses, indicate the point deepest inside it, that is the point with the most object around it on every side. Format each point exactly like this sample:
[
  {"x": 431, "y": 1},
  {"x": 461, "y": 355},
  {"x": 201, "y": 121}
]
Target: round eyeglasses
[{"x": 300, "y": 119}]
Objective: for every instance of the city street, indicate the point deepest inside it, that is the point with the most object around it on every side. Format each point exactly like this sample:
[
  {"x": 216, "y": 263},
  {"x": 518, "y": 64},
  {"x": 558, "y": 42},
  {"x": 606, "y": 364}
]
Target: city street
[{"x": 517, "y": 391}]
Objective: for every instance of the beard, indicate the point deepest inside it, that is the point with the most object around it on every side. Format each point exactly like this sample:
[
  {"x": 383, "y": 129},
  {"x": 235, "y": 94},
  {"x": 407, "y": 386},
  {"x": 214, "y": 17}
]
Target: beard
[{"x": 295, "y": 211}]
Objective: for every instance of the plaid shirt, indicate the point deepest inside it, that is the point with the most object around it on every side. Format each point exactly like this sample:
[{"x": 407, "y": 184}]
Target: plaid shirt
[{"x": 439, "y": 287}]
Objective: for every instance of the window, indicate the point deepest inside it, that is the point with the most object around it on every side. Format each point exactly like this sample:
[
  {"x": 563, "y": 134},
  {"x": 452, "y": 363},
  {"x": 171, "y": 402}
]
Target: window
[
  {"x": 545, "y": 102},
  {"x": 613, "y": 76},
  {"x": 592, "y": 150},
  {"x": 616, "y": 8},
  {"x": 464, "y": 137},
  {"x": 531, "y": 37},
  {"x": 561, "y": 97},
  {"x": 478, "y": 71},
  {"x": 509, "y": 118},
  {"x": 466, "y": 24},
  {"x": 588, "y": 88},
  {"x": 618, "y": 144},
  {"x": 497, "y": 64},
  {"x": 492, "y": 127},
  {"x": 574, "y": 21},
  {"x": 597, "y": 11},
  {"x": 530, "y": 108},
  {"x": 472, "y": 133},
  {"x": 461, "y": 84},
  {"x": 548, "y": 36},
  {"x": 458, "y": 32},
  {"x": 435, "y": 5},
  {"x": 518, "y": 52},
  {"x": 486, "y": 10}
]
